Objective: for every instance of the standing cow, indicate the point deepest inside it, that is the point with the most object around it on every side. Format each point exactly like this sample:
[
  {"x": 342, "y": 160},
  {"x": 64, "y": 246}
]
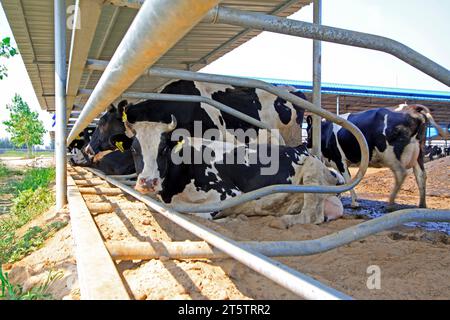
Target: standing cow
[{"x": 395, "y": 139}]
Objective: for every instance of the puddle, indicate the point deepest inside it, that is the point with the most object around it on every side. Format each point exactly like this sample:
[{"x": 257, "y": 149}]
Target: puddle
[{"x": 374, "y": 209}]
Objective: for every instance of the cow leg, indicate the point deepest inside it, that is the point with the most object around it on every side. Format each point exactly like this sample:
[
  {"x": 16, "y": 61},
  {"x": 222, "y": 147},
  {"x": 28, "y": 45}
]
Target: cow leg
[
  {"x": 400, "y": 175},
  {"x": 347, "y": 177},
  {"x": 421, "y": 179},
  {"x": 313, "y": 203}
]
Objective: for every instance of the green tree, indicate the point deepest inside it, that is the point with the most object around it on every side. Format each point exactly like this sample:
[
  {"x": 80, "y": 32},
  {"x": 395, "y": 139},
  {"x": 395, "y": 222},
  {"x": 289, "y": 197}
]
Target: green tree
[
  {"x": 6, "y": 51},
  {"x": 24, "y": 125}
]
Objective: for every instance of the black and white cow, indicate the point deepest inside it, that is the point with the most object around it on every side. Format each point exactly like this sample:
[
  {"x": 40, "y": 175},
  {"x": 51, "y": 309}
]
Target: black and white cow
[
  {"x": 149, "y": 119},
  {"x": 181, "y": 182},
  {"x": 431, "y": 152},
  {"x": 395, "y": 139},
  {"x": 76, "y": 147},
  {"x": 121, "y": 161}
]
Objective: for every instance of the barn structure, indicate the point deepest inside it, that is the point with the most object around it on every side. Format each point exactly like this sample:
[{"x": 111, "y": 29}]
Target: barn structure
[{"x": 83, "y": 55}]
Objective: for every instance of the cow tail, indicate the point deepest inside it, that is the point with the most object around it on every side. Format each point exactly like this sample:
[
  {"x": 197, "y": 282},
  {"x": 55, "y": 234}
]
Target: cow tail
[{"x": 430, "y": 118}]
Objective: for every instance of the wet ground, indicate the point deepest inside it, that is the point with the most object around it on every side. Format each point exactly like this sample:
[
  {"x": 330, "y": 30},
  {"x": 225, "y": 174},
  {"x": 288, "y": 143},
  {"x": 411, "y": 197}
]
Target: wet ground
[{"x": 371, "y": 209}]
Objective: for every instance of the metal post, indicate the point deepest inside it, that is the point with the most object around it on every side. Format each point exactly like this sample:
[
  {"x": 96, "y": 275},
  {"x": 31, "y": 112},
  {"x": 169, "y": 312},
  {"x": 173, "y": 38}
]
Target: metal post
[
  {"x": 337, "y": 105},
  {"x": 60, "y": 103},
  {"x": 317, "y": 82}
]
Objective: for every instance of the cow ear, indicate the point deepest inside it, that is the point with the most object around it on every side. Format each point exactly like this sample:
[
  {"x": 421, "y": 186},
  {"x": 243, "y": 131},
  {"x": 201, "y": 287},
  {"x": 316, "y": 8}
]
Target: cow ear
[
  {"x": 111, "y": 108},
  {"x": 309, "y": 121},
  {"x": 121, "y": 106}
]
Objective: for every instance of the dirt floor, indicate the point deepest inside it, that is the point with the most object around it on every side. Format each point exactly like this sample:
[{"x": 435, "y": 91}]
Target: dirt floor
[{"x": 414, "y": 262}]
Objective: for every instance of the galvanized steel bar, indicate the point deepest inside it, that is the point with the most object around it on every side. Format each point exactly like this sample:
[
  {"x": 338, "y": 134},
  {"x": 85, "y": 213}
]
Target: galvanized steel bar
[
  {"x": 302, "y": 29},
  {"x": 158, "y": 25},
  {"x": 200, "y": 250},
  {"x": 317, "y": 82},
  {"x": 300, "y": 284},
  {"x": 60, "y": 102}
]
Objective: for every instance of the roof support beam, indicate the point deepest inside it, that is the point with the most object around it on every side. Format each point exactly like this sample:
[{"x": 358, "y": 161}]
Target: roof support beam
[
  {"x": 158, "y": 26},
  {"x": 87, "y": 15}
]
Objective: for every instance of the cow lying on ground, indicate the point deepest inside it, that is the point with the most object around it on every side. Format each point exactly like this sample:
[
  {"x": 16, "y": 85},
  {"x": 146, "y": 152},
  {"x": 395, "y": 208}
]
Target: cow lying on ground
[
  {"x": 395, "y": 140},
  {"x": 431, "y": 152},
  {"x": 121, "y": 161},
  {"x": 178, "y": 182},
  {"x": 76, "y": 147}
]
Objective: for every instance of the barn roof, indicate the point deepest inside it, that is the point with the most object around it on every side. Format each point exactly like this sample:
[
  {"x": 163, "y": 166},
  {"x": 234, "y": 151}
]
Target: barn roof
[
  {"x": 32, "y": 24},
  {"x": 354, "y": 98}
]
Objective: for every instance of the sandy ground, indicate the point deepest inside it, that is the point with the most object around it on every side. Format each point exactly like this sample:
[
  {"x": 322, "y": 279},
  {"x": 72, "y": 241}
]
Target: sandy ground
[
  {"x": 20, "y": 162},
  {"x": 414, "y": 262}
]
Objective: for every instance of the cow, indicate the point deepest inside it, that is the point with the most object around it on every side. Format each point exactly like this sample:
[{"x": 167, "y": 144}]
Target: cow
[
  {"x": 211, "y": 181},
  {"x": 395, "y": 138},
  {"x": 122, "y": 160},
  {"x": 433, "y": 151},
  {"x": 274, "y": 111},
  {"x": 76, "y": 147}
]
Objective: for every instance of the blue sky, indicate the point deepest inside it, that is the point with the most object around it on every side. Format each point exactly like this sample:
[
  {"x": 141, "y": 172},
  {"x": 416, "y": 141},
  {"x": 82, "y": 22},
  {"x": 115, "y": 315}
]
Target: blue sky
[{"x": 422, "y": 25}]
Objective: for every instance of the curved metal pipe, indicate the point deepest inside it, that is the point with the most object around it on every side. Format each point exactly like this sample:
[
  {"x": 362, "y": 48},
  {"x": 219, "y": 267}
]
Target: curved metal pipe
[{"x": 120, "y": 250}]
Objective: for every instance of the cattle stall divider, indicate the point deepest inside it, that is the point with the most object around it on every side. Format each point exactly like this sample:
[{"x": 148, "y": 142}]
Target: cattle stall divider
[{"x": 156, "y": 28}]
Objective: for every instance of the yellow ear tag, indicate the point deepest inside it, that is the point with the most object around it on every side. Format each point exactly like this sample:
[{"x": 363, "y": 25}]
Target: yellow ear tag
[
  {"x": 77, "y": 137},
  {"x": 124, "y": 117},
  {"x": 179, "y": 146},
  {"x": 119, "y": 145}
]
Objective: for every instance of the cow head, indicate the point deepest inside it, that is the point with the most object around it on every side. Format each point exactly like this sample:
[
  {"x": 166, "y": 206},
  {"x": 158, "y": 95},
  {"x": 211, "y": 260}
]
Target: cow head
[
  {"x": 153, "y": 139},
  {"x": 110, "y": 124}
]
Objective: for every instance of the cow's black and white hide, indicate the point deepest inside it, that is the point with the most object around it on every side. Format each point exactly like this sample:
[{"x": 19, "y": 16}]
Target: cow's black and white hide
[
  {"x": 395, "y": 140},
  {"x": 181, "y": 183},
  {"x": 77, "y": 146}
]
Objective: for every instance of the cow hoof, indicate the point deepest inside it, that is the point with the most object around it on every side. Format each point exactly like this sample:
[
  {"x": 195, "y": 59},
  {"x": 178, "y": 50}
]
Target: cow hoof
[
  {"x": 392, "y": 207},
  {"x": 355, "y": 205}
]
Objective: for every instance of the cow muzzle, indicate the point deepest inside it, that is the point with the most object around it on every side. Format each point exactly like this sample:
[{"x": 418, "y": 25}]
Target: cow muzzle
[{"x": 147, "y": 185}]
